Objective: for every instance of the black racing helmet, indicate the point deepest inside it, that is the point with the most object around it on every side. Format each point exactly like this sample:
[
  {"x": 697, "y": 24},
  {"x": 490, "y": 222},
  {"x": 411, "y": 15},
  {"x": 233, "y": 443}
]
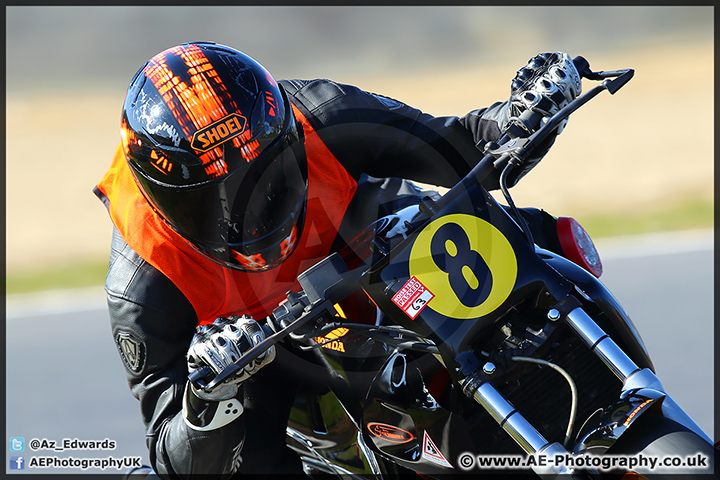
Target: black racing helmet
[{"x": 212, "y": 142}]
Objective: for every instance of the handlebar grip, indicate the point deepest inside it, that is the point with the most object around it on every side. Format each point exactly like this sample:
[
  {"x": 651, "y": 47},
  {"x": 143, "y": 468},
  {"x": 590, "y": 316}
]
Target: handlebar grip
[
  {"x": 199, "y": 374},
  {"x": 528, "y": 121},
  {"x": 582, "y": 65},
  {"x": 531, "y": 119},
  {"x": 583, "y": 68}
]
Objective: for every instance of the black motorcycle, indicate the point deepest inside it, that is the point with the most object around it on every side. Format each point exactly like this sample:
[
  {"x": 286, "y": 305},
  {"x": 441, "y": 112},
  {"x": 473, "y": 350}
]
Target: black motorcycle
[{"x": 445, "y": 341}]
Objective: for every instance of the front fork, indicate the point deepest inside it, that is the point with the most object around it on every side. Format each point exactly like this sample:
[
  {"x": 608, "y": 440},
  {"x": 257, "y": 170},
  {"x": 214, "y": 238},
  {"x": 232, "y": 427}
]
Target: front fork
[{"x": 632, "y": 376}]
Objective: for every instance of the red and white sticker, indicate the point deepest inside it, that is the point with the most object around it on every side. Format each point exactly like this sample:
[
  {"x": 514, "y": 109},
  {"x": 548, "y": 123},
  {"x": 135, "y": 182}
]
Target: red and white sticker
[
  {"x": 412, "y": 297},
  {"x": 432, "y": 453}
]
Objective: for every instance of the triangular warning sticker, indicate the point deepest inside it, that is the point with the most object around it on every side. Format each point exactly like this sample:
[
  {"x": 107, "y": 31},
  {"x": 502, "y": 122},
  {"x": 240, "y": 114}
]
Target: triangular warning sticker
[{"x": 432, "y": 453}]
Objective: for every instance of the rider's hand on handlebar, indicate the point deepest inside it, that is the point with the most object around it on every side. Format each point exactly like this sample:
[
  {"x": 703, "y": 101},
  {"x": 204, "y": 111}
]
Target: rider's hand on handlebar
[
  {"x": 221, "y": 344},
  {"x": 545, "y": 85}
]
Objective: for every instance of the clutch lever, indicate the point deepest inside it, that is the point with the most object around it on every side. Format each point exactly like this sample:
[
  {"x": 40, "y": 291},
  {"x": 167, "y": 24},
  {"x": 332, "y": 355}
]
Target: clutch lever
[
  {"x": 519, "y": 148},
  {"x": 583, "y": 68},
  {"x": 533, "y": 119},
  {"x": 515, "y": 145}
]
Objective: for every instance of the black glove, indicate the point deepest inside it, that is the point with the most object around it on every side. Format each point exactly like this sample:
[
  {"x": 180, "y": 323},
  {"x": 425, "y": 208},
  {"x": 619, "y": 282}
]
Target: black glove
[
  {"x": 545, "y": 85},
  {"x": 222, "y": 343}
]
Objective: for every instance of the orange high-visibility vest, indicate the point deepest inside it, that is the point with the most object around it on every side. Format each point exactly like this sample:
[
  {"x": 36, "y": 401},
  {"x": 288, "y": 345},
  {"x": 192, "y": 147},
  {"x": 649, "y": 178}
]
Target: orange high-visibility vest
[{"x": 215, "y": 290}]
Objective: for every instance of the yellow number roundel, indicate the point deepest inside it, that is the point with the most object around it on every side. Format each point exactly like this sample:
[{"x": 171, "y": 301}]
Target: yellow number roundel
[{"x": 435, "y": 272}]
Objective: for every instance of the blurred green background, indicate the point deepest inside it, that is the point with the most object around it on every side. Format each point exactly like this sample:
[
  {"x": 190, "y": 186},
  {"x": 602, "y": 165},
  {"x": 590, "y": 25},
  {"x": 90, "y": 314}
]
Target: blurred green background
[{"x": 639, "y": 161}]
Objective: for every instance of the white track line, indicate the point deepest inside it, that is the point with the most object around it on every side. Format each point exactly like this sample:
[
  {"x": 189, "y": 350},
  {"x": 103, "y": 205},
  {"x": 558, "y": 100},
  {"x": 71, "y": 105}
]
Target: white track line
[
  {"x": 664, "y": 243},
  {"x": 93, "y": 298}
]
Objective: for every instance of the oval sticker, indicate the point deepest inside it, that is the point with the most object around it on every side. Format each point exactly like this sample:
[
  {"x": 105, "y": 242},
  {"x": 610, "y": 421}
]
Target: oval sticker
[
  {"x": 390, "y": 433},
  {"x": 467, "y": 263},
  {"x": 218, "y": 132}
]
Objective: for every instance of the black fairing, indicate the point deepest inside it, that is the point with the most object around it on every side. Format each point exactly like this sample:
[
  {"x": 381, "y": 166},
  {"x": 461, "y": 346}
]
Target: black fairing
[
  {"x": 540, "y": 282},
  {"x": 503, "y": 240},
  {"x": 603, "y": 307},
  {"x": 411, "y": 414},
  {"x": 414, "y": 411}
]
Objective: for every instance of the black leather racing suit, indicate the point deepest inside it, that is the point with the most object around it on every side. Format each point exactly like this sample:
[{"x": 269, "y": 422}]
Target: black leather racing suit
[{"x": 369, "y": 135}]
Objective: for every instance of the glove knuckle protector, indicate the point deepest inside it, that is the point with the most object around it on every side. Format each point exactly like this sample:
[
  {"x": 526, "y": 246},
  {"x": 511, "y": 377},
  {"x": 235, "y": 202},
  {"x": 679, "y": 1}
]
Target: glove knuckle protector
[
  {"x": 223, "y": 343},
  {"x": 546, "y": 84}
]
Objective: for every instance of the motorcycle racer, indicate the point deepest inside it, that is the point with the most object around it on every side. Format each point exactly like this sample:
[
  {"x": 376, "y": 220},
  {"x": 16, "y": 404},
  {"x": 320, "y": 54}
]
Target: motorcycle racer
[{"x": 226, "y": 185}]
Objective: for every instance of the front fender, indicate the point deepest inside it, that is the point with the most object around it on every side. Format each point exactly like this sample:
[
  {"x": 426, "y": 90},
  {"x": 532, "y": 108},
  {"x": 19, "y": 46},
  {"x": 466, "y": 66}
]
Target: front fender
[
  {"x": 641, "y": 425},
  {"x": 603, "y": 429}
]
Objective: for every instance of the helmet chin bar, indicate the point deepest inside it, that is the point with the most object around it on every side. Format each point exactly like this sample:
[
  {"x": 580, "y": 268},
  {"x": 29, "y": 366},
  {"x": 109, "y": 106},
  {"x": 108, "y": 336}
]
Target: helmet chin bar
[
  {"x": 261, "y": 261},
  {"x": 258, "y": 263},
  {"x": 271, "y": 256}
]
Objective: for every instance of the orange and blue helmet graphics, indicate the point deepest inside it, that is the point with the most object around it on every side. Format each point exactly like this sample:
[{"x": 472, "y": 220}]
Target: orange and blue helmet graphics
[{"x": 211, "y": 140}]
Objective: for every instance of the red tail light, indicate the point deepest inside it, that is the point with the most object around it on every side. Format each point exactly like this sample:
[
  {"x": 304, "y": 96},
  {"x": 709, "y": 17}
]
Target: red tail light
[
  {"x": 633, "y": 476},
  {"x": 577, "y": 245}
]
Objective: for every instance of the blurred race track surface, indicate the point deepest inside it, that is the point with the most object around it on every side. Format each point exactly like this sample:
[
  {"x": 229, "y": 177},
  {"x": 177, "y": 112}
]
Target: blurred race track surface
[{"x": 65, "y": 380}]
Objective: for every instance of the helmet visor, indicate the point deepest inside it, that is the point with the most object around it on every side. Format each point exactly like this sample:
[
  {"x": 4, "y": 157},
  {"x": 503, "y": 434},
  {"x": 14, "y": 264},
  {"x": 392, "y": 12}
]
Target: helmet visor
[{"x": 251, "y": 212}]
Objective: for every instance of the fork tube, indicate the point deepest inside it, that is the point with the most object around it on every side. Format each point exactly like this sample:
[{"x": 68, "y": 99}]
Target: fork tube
[
  {"x": 601, "y": 344},
  {"x": 529, "y": 439},
  {"x": 509, "y": 419}
]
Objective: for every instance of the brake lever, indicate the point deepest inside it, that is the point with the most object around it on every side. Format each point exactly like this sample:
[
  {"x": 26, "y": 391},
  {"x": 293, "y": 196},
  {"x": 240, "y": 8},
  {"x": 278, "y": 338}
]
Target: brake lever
[
  {"x": 323, "y": 285},
  {"x": 198, "y": 377}
]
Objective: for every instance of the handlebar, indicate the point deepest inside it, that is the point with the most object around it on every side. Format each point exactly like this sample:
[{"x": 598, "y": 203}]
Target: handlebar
[
  {"x": 200, "y": 376},
  {"x": 515, "y": 145},
  {"x": 329, "y": 279},
  {"x": 322, "y": 285}
]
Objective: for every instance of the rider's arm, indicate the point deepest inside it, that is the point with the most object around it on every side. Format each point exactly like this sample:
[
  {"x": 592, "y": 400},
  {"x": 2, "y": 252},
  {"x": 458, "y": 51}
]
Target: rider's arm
[
  {"x": 153, "y": 324},
  {"x": 383, "y": 137}
]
